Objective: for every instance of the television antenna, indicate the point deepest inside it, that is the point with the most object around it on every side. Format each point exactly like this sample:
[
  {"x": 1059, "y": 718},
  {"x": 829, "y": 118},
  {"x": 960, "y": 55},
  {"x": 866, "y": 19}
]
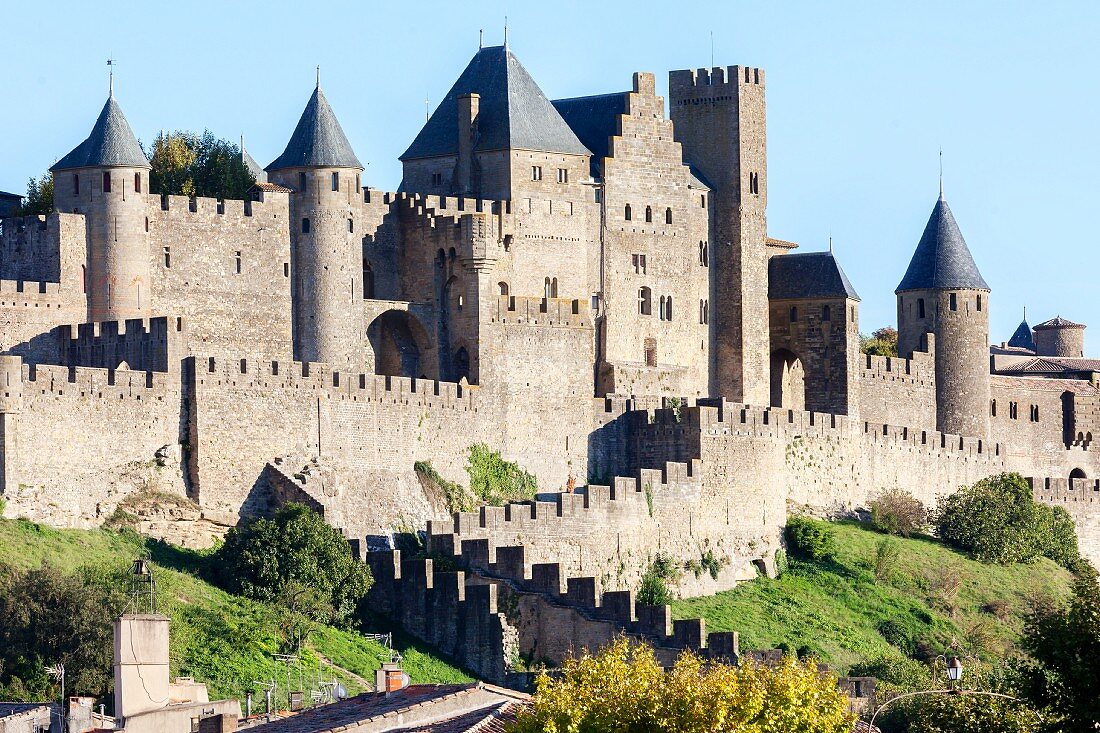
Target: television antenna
[
  {"x": 57, "y": 672},
  {"x": 269, "y": 692}
]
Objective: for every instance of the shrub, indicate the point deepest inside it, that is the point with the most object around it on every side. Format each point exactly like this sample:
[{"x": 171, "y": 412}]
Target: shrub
[
  {"x": 898, "y": 512},
  {"x": 454, "y": 495},
  {"x": 653, "y": 590},
  {"x": 998, "y": 521},
  {"x": 999, "y": 608},
  {"x": 496, "y": 481},
  {"x": 897, "y": 633},
  {"x": 886, "y": 559},
  {"x": 810, "y": 539}
]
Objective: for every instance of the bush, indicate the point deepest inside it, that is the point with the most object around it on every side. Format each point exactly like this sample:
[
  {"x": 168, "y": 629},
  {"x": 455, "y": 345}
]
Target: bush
[
  {"x": 653, "y": 590},
  {"x": 898, "y": 634},
  {"x": 887, "y": 553},
  {"x": 998, "y": 521},
  {"x": 496, "y": 481},
  {"x": 810, "y": 539},
  {"x": 454, "y": 495},
  {"x": 898, "y": 512},
  {"x": 294, "y": 559}
]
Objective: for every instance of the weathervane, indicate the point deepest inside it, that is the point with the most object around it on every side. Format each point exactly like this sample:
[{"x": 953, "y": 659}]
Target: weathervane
[{"x": 111, "y": 76}]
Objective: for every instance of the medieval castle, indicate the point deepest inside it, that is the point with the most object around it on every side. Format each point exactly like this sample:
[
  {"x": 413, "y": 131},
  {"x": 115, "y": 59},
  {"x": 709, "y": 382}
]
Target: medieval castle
[{"x": 586, "y": 285}]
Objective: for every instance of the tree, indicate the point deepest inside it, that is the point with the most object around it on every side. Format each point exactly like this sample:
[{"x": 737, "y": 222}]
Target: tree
[
  {"x": 882, "y": 342},
  {"x": 999, "y": 521},
  {"x": 1063, "y": 675},
  {"x": 623, "y": 689},
  {"x": 39, "y": 198},
  {"x": 47, "y": 617},
  {"x": 810, "y": 539},
  {"x": 294, "y": 559},
  {"x": 187, "y": 164},
  {"x": 898, "y": 512}
]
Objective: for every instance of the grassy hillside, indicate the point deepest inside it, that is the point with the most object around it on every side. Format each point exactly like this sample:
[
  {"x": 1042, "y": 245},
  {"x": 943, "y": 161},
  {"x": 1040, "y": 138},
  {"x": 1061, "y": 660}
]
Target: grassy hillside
[
  {"x": 224, "y": 640},
  {"x": 838, "y": 609}
]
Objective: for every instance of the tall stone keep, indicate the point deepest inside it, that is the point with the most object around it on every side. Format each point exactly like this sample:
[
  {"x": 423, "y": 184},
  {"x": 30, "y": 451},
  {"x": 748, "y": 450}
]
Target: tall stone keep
[
  {"x": 719, "y": 118},
  {"x": 943, "y": 294},
  {"x": 320, "y": 166},
  {"x": 105, "y": 178}
]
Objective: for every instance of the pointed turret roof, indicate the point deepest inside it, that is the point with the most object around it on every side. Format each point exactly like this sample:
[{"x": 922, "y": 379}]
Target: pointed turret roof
[
  {"x": 252, "y": 166},
  {"x": 513, "y": 113},
  {"x": 1059, "y": 322},
  {"x": 1022, "y": 338},
  {"x": 318, "y": 140},
  {"x": 942, "y": 260},
  {"x": 111, "y": 143}
]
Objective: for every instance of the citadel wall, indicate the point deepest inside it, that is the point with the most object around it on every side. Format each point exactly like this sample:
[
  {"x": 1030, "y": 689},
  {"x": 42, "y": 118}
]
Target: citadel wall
[
  {"x": 897, "y": 390},
  {"x": 1081, "y": 499}
]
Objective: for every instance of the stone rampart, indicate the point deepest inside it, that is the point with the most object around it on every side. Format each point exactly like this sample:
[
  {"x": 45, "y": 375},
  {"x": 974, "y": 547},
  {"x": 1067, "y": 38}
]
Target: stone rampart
[
  {"x": 1081, "y": 499},
  {"x": 142, "y": 344},
  {"x": 897, "y": 390}
]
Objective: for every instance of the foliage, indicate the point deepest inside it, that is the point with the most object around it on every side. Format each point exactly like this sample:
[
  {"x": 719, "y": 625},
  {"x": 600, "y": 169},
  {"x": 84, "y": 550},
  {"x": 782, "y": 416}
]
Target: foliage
[
  {"x": 882, "y": 342},
  {"x": 809, "y": 539},
  {"x": 898, "y": 512},
  {"x": 653, "y": 590},
  {"x": 836, "y": 606},
  {"x": 39, "y": 198},
  {"x": 713, "y": 564},
  {"x": 623, "y": 688},
  {"x": 886, "y": 559},
  {"x": 969, "y": 713},
  {"x": 296, "y": 560},
  {"x": 188, "y": 164},
  {"x": 48, "y": 616},
  {"x": 1064, "y": 675},
  {"x": 496, "y": 481},
  {"x": 998, "y": 521},
  {"x": 455, "y": 495}
]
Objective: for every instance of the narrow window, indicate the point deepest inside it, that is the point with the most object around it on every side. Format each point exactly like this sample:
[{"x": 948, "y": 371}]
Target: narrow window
[
  {"x": 351, "y": 225},
  {"x": 642, "y": 257},
  {"x": 597, "y": 195},
  {"x": 701, "y": 260},
  {"x": 649, "y": 215},
  {"x": 546, "y": 288},
  {"x": 702, "y": 201},
  {"x": 503, "y": 288},
  {"x": 368, "y": 280},
  {"x": 76, "y": 184},
  {"x": 993, "y": 408},
  {"x": 305, "y": 225},
  {"x": 563, "y": 175},
  {"x": 668, "y": 309},
  {"x": 701, "y": 320},
  {"x": 335, "y": 181},
  {"x": 286, "y": 269},
  {"x": 302, "y": 182},
  {"x": 634, "y": 261},
  {"x": 437, "y": 179},
  {"x": 706, "y": 311},
  {"x": 146, "y": 224},
  {"x": 167, "y": 257},
  {"x": 920, "y": 307},
  {"x": 706, "y": 254},
  {"x": 794, "y": 314},
  {"x": 536, "y": 173},
  {"x": 979, "y": 302},
  {"x": 357, "y": 186},
  {"x": 137, "y": 183},
  {"x": 954, "y": 301},
  {"x": 645, "y": 301},
  {"x": 668, "y": 216},
  {"x": 554, "y": 288},
  {"x": 237, "y": 256},
  {"x": 106, "y": 181},
  {"x": 651, "y": 352},
  {"x": 1013, "y": 410},
  {"x": 626, "y": 215},
  {"x": 826, "y": 313},
  {"x": 84, "y": 278},
  {"x": 661, "y": 309}
]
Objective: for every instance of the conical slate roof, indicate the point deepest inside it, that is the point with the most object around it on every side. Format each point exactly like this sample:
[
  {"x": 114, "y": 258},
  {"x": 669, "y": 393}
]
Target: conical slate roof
[
  {"x": 942, "y": 260},
  {"x": 318, "y": 140},
  {"x": 111, "y": 143},
  {"x": 1022, "y": 338},
  {"x": 252, "y": 166},
  {"x": 513, "y": 113},
  {"x": 1059, "y": 322},
  {"x": 808, "y": 275}
]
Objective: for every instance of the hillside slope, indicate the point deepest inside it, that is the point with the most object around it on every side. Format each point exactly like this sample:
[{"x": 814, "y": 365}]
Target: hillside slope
[
  {"x": 932, "y": 597},
  {"x": 224, "y": 640}
]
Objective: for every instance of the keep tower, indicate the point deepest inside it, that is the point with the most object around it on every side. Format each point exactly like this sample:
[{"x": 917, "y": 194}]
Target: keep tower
[
  {"x": 106, "y": 178},
  {"x": 321, "y": 168},
  {"x": 718, "y": 118},
  {"x": 944, "y": 294}
]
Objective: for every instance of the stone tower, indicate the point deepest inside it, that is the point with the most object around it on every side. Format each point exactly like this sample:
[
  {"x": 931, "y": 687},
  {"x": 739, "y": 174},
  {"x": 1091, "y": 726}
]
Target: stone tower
[
  {"x": 1060, "y": 337},
  {"x": 943, "y": 294},
  {"x": 322, "y": 170},
  {"x": 106, "y": 178},
  {"x": 719, "y": 118}
]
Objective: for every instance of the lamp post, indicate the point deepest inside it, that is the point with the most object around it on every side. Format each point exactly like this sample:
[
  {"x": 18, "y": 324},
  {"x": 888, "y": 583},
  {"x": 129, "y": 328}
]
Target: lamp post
[{"x": 954, "y": 669}]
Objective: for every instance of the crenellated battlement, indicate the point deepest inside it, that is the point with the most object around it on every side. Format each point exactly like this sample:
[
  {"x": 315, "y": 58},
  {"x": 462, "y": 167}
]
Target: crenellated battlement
[
  {"x": 92, "y": 382},
  {"x": 533, "y": 311},
  {"x": 193, "y": 208},
  {"x": 700, "y": 85},
  {"x": 143, "y": 344},
  {"x": 920, "y": 369},
  {"x": 1067, "y": 491}
]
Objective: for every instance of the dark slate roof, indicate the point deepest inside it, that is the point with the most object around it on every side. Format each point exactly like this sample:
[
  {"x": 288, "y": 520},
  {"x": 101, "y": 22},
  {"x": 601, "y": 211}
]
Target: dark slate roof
[
  {"x": 1059, "y": 322},
  {"x": 942, "y": 260},
  {"x": 111, "y": 143},
  {"x": 252, "y": 166},
  {"x": 594, "y": 120},
  {"x": 513, "y": 113},
  {"x": 318, "y": 140},
  {"x": 808, "y": 275},
  {"x": 1022, "y": 337}
]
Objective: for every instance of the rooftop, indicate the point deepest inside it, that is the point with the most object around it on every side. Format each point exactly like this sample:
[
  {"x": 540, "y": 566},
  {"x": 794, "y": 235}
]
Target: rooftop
[
  {"x": 942, "y": 260},
  {"x": 318, "y": 140},
  {"x": 1059, "y": 322},
  {"x": 1022, "y": 337},
  {"x": 808, "y": 275},
  {"x": 110, "y": 143}
]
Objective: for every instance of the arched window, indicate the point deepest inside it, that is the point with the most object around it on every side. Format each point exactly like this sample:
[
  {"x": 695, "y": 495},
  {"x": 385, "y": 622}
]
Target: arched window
[
  {"x": 554, "y": 288},
  {"x": 335, "y": 180},
  {"x": 137, "y": 189},
  {"x": 546, "y": 288},
  {"x": 84, "y": 278},
  {"x": 368, "y": 280},
  {"x": 793, "y": 314},
  {"x": 305, "y": 225},
  {"x": 826, "y": 313},
  {"x": 920, "y": 307},
  {"x": 649, "y": 215},
  {"x": 106, "y": 181},
  {"x": 440, "y": 258},
  {"x": 503, "y": 288},
  {"x": 645, "y": 301},
  {"x": 462, "y": 365},
  {"x": 626, "y": 213},
  {"x": 451, "y": 254},
  {"x": 661, "y": 309},
  {"x": 706, "y": 311},
  {"x": 668, "y": 216}
]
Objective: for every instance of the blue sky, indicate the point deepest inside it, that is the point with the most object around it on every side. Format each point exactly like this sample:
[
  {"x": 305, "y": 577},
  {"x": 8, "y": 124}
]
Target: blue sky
[{"x": 861, "y": 96}]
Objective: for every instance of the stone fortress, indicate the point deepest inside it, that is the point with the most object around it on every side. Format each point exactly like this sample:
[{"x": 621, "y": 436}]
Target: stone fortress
[{"x": 586, "y": 285}]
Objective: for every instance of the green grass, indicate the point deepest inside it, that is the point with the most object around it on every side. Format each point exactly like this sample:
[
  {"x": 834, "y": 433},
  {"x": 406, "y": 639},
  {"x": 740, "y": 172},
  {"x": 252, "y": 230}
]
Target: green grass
[
  {"x": 836, "y": 608},
  {"x": 224, "y": 640}
]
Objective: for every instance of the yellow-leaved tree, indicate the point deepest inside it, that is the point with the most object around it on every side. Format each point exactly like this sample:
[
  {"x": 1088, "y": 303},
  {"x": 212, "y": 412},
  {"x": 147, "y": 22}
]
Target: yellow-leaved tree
[{"x": 623, "y": 689}]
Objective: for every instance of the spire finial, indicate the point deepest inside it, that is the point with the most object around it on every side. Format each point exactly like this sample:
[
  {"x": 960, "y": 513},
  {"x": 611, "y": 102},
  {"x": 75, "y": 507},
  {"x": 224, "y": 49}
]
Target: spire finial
[
  {"x": 830, "y": 244},
  {"x": 505, "y": 31},
  {"x": 1025, "y": 314},
  {"x": 712, "y": 49},
  {"x": 941, "y": 174},
  {"x": 481, "y": 39},
  {"x": 111, "y": 77},
  {"x": 318, "y": 76}
]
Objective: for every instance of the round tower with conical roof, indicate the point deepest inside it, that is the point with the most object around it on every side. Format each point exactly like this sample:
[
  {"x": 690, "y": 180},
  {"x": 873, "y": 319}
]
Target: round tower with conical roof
[
  {"x": 1060, "y": 337},
  {"x": 943, "y": 295},
  {"x": 106, "y": 178},
  {"x": 323, "y": 171}
]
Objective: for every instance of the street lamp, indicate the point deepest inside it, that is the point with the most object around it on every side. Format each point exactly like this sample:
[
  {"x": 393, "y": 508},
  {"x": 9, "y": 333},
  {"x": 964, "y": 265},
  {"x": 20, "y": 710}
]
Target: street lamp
[{"x": 954, "y": 669}]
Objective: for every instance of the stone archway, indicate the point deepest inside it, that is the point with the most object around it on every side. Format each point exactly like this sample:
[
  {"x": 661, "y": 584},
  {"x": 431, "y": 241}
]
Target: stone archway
[
  {"x": 1077, "y": 473},
  {"x": 399, "y": 344},
  {"x": 788, "y": 380}
]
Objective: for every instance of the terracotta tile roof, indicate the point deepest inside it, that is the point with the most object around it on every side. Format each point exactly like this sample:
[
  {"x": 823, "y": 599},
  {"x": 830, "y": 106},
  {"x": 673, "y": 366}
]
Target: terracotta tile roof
[
  {"x": 493, "y": 719},
  {"x": 1078, "y": 386},
  {"x": 1052, "y": 365},
  {"x": 1059, "y": 322},
  {"x": 772, "y": 242},
  {"x": 272, "y": 187}
]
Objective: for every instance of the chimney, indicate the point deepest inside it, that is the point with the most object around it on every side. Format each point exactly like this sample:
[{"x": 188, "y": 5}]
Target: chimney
[
  {"x": 468, "y": 105},
  {"x": 141, "y": 664},
  {"x": 390, "y": 678}
]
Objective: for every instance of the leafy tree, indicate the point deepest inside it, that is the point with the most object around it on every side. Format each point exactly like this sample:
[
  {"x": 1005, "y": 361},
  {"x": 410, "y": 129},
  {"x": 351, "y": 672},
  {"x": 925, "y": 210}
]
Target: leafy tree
[
  {"x": 882, "y": 342},
  {"x": 187, "y": 164},
  {"x": 294, "y": 559},
  {"x": 48, "y": 616},
  {"x": 497, "y": 481},
  {"x": 999, "y": 521},
  {"x": 898, "y": 512},
  {"x": 1063, "y": 675},
  {"x": 623, "y": 689},
  {"x": 39, "y": 198},
  {"x": 810, "y": 539}
]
